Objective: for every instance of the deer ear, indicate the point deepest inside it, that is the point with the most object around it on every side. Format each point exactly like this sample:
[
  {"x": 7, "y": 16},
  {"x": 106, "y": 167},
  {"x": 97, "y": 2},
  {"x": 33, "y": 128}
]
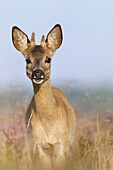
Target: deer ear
[
  {"x": 54, "y": 38},
  {"x": 20, "y": 39}
]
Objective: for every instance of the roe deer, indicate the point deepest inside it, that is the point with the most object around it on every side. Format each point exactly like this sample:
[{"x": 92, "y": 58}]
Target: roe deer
[{"x": 50, "y": 119}]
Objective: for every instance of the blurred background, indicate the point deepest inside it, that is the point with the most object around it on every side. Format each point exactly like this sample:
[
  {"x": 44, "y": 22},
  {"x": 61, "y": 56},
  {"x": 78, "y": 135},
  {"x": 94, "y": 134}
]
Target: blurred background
[
  {"x": 82, "y": 66},
  {"x": 86, "y": 55}
]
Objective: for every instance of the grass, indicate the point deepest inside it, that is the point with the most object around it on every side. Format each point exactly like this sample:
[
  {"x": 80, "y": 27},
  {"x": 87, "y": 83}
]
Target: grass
[
  {"x": 93, "y": 148},
  {"x": 94, "y": 145}
]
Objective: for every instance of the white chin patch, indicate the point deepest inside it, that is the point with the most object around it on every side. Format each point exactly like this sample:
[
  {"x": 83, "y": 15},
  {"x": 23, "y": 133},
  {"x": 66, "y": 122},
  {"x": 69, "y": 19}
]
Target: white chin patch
[{"x": 38, "y": 81}]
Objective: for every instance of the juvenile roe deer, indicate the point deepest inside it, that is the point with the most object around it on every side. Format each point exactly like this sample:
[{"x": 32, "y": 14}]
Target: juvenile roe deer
[{"x": 50, "y": 119}]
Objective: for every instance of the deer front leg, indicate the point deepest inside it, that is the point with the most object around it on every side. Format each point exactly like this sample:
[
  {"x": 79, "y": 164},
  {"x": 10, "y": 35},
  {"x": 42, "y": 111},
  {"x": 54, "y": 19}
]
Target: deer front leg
[
  {"x": 38, "y": 158},
  {"x": 59, "y": 157},
  {"x": 44, "y": 159}
]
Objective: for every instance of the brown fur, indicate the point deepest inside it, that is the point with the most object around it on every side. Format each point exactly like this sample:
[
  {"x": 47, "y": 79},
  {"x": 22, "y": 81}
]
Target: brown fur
[{"x": 50, "y": 119}]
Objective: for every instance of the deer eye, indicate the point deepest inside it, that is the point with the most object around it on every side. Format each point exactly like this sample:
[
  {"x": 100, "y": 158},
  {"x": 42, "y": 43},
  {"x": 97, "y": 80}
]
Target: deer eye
[
  {"x": 48, "y": 60},
  {"x": 28, "y": 61}
]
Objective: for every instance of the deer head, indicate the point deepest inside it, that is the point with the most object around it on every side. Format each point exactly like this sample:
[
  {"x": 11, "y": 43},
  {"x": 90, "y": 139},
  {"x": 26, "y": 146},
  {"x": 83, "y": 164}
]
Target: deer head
[{"x": 38, "y": 57}]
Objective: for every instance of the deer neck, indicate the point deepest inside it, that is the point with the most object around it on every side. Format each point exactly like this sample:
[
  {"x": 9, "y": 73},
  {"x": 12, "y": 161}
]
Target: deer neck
[{"x": 44, "y": 99}]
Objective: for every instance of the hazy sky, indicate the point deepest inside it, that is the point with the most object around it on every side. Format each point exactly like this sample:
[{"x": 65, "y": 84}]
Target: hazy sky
[{"x": 86, "y": 54}]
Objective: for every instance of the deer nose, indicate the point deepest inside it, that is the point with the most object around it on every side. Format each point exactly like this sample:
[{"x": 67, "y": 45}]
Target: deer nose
[{"x": 38, "y": 74}]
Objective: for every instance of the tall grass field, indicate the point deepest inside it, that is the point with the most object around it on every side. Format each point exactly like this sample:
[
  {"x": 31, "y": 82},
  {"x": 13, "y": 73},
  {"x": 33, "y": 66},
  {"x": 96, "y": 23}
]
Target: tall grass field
[{"x": 93, "y": 148}]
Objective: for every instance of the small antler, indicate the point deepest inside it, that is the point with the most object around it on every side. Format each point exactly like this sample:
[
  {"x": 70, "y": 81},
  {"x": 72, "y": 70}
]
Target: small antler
[
  {"x": 43, "y": 40},
  {"x": 33, "y": 39}
]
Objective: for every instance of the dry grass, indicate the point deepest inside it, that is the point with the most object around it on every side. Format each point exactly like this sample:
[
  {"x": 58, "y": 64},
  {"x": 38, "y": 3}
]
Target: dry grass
[
  {"x": 94, "y": 144},
  {"x": 93, "y": 147}
]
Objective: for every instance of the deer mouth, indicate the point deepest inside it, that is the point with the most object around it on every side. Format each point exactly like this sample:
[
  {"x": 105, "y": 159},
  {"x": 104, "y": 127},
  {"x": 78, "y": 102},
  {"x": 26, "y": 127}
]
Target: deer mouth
[{"x": 39, "y": 80}]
